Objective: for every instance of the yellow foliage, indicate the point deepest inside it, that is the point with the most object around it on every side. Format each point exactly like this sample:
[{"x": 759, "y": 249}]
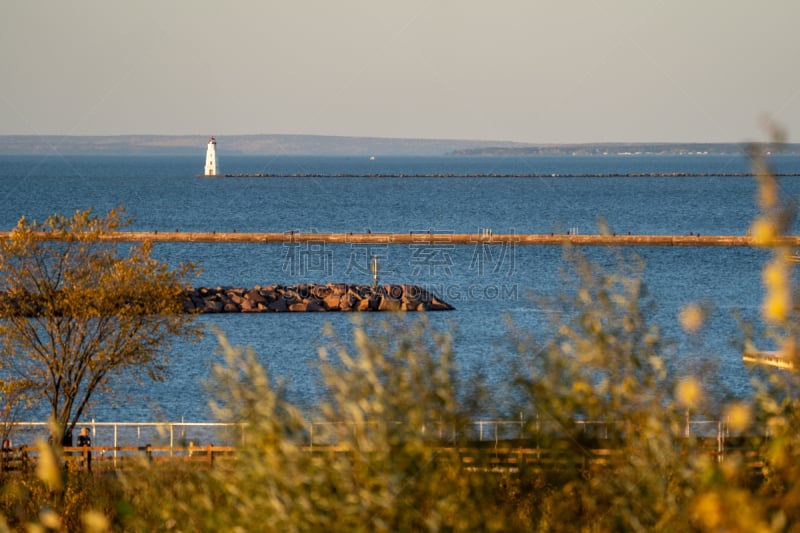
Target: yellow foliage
[
  {"x": 777, "y": 305},
  {"x": 691, "y": 318},
  {"x": 776, "y": 273},
  {"x": 764, "y": 232},
  {"x": 729, "y": 510},
  {"x": 689, "y": 392},
  {"x": 768, "y": 191},
  {"x": 75, "y": 310},
  {"x": 95, "y": 522},
  {"x": 48, "y": 467},
  {"x": 738, "y": 415}
]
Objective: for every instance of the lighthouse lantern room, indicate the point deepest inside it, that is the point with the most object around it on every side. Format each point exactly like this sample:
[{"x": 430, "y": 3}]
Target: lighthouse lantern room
[{"x": 211, "y": 158}]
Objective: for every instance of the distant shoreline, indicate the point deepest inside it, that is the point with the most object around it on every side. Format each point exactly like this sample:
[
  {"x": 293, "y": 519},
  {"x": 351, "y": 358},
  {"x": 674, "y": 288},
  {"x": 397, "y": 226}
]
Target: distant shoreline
[
  {"x": 630, "y": 149},
  {"x": 321, "y": 145}
]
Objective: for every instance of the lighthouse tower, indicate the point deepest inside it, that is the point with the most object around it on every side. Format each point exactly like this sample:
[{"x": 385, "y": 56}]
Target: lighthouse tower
[{"x": 211, "y": 158}]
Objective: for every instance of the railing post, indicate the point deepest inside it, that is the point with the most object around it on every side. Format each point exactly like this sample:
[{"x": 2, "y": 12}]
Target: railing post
[
  {"x": 6, "y": 461},
  {"x": 25, "y": 458}
]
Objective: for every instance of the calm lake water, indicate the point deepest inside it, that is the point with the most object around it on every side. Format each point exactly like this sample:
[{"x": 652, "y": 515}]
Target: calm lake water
[{"x": 487, "y": 285}]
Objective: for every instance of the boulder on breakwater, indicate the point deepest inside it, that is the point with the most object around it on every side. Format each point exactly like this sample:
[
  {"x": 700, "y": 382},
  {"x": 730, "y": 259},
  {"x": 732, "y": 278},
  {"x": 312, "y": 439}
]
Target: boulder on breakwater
[{"x": 337, "y": 297}]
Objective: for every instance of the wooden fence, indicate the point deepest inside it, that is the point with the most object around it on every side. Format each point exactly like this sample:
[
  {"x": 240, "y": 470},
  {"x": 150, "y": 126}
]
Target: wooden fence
[
  {"x": 23, "y": 458},
  {"x": 508, "y": 456},
  {"x": 506, "y": 444}
]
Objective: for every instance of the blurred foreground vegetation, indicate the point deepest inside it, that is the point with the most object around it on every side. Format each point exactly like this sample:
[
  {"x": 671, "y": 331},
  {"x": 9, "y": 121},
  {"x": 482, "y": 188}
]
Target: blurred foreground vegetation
[{"x": 391, "y": 470}]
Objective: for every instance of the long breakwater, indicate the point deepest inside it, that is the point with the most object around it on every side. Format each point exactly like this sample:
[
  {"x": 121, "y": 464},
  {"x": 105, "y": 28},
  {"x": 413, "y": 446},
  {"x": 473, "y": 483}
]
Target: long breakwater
[
  {"x": 498, "y": 175},
  {"x": 439, "y": 238}
]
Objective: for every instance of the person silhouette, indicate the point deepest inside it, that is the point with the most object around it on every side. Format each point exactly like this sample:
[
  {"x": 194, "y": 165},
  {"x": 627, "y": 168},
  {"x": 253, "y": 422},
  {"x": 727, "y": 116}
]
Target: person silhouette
[
  {"x": 6, "y": 451},
  {"x": 85, "y": 439}
]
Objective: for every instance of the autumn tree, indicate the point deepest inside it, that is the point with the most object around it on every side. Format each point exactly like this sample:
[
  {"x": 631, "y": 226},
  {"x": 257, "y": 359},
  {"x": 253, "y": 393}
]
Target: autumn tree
[{"x": 79, "y": 311}]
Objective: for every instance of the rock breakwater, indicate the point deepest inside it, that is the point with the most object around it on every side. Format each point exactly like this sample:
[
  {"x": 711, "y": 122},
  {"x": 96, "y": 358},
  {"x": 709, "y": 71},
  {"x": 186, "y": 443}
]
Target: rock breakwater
[{"x": 336, "y": 297}]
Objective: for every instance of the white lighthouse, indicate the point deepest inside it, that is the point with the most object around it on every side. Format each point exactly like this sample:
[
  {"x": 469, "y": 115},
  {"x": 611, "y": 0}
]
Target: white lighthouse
[{"x": 211, "y": 158}]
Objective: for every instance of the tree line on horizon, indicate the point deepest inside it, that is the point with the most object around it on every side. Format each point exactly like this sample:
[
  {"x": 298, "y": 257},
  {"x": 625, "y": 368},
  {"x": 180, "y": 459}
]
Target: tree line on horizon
[{"x": 279, "y": 144}]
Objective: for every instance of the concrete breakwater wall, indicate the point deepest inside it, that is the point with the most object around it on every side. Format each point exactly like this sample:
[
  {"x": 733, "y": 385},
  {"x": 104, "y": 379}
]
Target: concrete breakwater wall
[
  {"x": 438, "y": 238},
  {"x": 337, "y": 297},
  {"x": 502, "y": 175},
  {"x": 447, "y": 238}
]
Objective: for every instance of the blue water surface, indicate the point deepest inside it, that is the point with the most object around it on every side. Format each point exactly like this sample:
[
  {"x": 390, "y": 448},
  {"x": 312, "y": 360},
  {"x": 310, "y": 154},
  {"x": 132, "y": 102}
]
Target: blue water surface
[{"x": 488, "y": 285}]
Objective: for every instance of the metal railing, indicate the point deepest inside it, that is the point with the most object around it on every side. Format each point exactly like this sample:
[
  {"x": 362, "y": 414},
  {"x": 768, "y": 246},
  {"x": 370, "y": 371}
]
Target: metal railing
[
  {"x": 320, "y": 433},
  {"x": 115, "y": 434}
]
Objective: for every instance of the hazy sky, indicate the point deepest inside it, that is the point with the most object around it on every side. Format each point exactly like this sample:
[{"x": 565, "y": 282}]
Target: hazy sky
[{"x": 542, "y": 71}]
